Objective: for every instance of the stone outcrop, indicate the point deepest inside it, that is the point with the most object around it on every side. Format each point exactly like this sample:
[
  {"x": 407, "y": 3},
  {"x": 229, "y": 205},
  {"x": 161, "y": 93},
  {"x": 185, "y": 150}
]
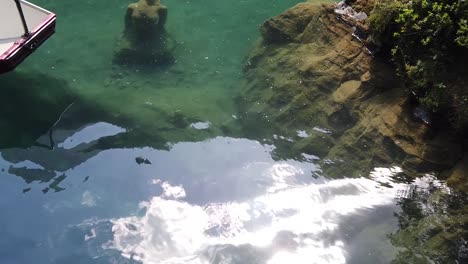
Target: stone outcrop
[
  {"x": 145, "y": 39},
  {"x": 309, "y": 71}
]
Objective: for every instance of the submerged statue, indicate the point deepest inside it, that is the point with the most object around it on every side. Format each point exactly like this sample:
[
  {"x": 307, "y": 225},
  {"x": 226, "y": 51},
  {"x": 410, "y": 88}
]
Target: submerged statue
[{"x": 145, "y": 39}]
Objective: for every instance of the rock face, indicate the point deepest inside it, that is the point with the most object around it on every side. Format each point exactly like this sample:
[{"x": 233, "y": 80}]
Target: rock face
[
  {"x": 309, "y": 71},
  {"x": 458, "y": 177},
  {"x": 145, "y": 39}
]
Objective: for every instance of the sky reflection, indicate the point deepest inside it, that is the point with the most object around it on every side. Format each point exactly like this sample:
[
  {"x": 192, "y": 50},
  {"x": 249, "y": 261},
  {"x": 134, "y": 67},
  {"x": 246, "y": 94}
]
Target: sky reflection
[
  {"x": 222, "y": 200},
  {"x": 300, "y": 223}
]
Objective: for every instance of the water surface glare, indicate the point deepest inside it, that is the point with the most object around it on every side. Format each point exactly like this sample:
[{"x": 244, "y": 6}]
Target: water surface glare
[{"x": 223, "y": 200}]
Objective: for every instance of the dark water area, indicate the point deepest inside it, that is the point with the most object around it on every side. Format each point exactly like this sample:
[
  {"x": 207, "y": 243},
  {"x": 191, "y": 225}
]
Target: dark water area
[{"x": 101, "y": 163}]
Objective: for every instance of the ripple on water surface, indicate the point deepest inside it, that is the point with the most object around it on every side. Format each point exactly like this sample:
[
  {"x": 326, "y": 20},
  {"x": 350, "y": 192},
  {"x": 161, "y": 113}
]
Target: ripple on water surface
[{"x": 223, "y": 199}]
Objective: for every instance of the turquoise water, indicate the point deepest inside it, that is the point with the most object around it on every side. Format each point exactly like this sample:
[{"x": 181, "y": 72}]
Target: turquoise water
[{"x": 101, "y": 163}]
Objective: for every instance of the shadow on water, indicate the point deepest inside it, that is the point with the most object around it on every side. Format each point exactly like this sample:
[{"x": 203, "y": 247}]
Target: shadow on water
[
  {"x": 48, "y": 129},
  {"x": 37, "y": 113},
  {"x": 30, "y": 104}
]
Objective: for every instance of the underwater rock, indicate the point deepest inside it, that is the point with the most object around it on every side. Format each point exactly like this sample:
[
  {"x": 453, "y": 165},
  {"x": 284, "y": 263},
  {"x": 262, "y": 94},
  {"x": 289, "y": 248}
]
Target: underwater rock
[
  {"x": 145, "y": 40},
  {"x": 316, "y": 144},
  {"x": 458, "y": 178},
  {"x": 308, "y": 70},
  {"x": 179, "y": 120}
]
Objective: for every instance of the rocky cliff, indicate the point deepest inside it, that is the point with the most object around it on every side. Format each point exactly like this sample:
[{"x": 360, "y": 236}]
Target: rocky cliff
[{"x": 311, "y": 69}]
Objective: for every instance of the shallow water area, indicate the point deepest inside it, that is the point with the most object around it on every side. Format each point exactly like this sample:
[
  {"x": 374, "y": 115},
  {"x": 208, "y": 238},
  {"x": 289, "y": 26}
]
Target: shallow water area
[{"x": 106, "y": 163}]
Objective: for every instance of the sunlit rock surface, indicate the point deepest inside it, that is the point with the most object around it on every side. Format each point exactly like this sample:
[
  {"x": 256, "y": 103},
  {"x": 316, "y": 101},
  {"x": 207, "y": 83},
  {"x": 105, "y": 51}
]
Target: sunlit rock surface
[{"x": 309, "y": 70}]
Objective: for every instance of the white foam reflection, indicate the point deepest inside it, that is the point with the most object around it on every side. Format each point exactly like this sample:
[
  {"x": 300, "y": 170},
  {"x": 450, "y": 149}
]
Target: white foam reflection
[
  {"x": 288, "y": 223},
  {"x": 200, "y": 125},
  {"x": 302, "y": 133}
]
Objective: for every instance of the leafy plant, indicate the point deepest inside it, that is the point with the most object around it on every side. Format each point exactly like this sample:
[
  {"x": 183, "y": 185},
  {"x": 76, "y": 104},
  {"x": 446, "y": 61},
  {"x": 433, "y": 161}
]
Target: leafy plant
[{"x": 427, "y": 40}]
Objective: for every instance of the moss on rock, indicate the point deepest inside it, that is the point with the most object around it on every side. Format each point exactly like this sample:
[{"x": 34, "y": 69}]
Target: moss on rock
[{"x": 308, "y": 70}]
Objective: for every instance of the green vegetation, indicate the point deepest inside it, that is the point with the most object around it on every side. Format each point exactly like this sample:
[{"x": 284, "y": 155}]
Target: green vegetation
[{"x": 428, "y": 42}]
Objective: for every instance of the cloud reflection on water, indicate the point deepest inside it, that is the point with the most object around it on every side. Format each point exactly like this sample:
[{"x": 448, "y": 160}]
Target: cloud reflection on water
[
  {"x": 288, "y": 224},
  {"x": 223, "y": 200}
]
